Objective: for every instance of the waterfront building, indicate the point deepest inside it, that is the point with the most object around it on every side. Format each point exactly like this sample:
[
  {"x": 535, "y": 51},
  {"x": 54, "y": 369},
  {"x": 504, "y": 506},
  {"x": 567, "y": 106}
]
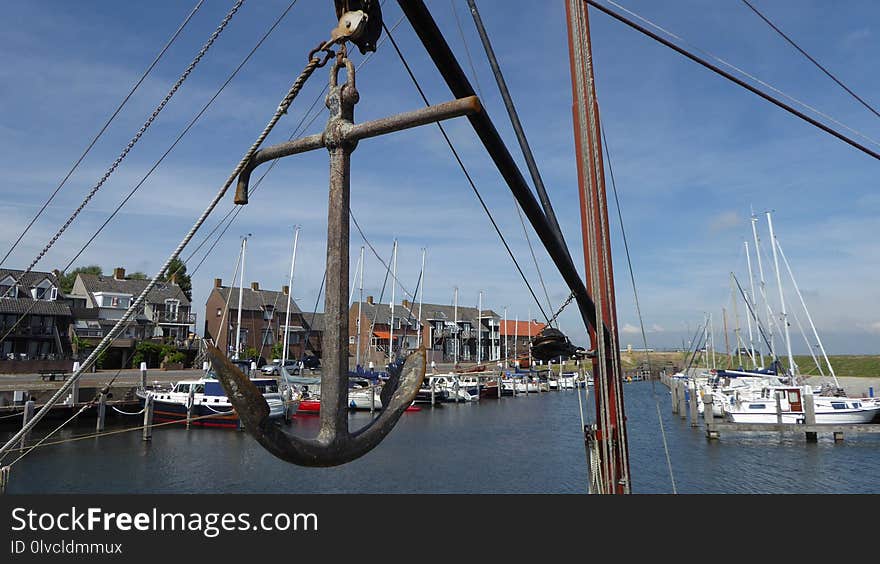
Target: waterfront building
[{"x": 263, "y": 315}]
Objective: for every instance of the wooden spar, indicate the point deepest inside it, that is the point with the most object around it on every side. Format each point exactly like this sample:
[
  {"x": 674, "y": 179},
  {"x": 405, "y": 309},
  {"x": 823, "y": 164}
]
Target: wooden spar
[{"x": 611, "y": 432}]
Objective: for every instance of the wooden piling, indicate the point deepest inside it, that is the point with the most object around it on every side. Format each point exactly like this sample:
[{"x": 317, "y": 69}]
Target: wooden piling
[
  {"x": 673, "y": 390},
  {"x": 433, "y": 383},
  {"x": 148, "y": 417},
  {"x": 29, "y": 408},
  {"x": 499, "y": 385},
  {"x": 682, "y": 399},
  {"x": 810, "y": 417},
  {"x": 838, "y": 436},
  {"x": 695, "y": 413},
  {"x": 143, "y": 375},
  {"x": 778, "y": 409},
  {"x": 102, "y": 413},
  {"x": 709, "y": 417},
  {"x": 4, "y": 478},
  {"x": 190, "y": 405}
]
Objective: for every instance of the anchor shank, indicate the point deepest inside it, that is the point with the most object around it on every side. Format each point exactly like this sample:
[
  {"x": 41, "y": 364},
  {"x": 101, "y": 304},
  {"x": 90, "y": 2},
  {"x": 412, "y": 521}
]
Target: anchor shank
[{"x": 334, "y": 383}]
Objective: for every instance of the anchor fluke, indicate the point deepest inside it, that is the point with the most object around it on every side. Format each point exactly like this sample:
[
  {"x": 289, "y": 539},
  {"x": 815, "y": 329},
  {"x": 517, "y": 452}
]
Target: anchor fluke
[{"x": 333, "y": 446}]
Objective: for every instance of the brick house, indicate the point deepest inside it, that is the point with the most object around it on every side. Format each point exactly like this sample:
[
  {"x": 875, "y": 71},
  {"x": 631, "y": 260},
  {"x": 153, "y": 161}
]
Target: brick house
[
  {"x": 100, "y": 301},
  {"x": 263, "y": 315},
  {"x": 34, "y": 316}
]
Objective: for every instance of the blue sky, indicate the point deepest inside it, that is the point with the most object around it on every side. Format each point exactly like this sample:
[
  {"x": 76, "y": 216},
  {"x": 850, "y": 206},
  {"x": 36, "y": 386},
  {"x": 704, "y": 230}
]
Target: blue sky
[{"x": 692, "y": 153}]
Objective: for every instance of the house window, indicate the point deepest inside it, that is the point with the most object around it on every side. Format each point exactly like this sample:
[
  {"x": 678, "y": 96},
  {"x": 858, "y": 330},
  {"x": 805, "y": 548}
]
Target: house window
[
  {"x": 219, "y": 311},
  {"x": 268, "y": 312},
  {"x": 268, "y": 337}
]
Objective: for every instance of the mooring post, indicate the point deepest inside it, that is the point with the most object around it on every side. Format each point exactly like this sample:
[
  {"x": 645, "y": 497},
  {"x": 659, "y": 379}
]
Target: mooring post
[
  {"x": 102, "y": 412},
  {"x": 74, "y": 389},
  {"x": 838, "y": 436},
  {"x": 29, "y": 408},
  {"x": 673, "y": 390},
  {"x": 148, "y": 417},
  {"x": 143, "y": 375},
  {"x": 4, "y": 478},
  {"x": 695, "y": 413},
  {"x": 372, "y": 397},
  {"x": 810, "y": 416},
  {"x": 499, "y": 385},
  {"x": 190, "y": 404},
  {"x": 682, "y": 400},
  {"x": 709, "y": 417},
  {"x": 432, "y": 392},
  {"x": 778, "y": 409}
]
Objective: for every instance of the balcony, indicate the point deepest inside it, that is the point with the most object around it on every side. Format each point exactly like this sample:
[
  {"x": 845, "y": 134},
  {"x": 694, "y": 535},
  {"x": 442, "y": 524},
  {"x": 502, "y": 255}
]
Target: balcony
[
  {"x": 28, "y": 331},
  {"x": 177, "y": 317}
]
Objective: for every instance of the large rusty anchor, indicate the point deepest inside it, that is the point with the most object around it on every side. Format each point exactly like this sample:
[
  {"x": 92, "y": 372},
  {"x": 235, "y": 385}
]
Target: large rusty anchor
[{"x": 334, "y": 444}]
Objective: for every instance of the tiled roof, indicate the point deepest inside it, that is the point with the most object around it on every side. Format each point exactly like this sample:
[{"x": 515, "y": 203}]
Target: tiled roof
[
  {"x": 521, "y": 328},
  {"x": 20, "y": 306},
  {"x": 29, "y": 279},
  {"x": 158, "y": 295},
  {"x": 255, "y": 300},
  {"x": 429, "y": 312}
]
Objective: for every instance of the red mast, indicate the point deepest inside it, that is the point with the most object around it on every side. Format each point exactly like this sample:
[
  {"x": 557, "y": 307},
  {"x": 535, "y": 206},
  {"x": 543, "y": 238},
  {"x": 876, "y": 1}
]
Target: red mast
[{"x": 608, "y": 444}]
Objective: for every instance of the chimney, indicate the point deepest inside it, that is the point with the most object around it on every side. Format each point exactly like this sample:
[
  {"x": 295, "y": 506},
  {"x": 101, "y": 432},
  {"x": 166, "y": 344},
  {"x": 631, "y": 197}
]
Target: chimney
[
  {"x": 119, "y": 273},
  {"x": 370, "y": 300},
  {"x": 406, "y": 304},
  {"x": 255, "y": 286},
  {"x": 218, "y": 282},
  {"x": 285, "y": 290}
]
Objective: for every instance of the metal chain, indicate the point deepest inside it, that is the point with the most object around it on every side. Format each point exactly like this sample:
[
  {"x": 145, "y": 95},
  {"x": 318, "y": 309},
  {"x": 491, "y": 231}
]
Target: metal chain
[
  {"x": 567, "y": 301},
  {"x": 313, "y": 64},
  {"x": 139, "y": 134}
]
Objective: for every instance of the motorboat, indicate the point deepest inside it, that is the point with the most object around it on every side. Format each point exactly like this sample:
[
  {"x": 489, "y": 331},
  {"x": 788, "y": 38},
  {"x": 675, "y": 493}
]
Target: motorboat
[
  {"x": 363, "y": 394},
  {"x": 206, "y": 401},
  {"x": 828, "y": 409}
]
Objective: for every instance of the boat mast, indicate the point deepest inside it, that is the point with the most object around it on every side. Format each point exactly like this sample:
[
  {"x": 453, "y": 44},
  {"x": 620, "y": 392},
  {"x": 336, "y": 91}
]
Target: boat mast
[
  {"x": 421, "y": 297},
  {"x": 391, "y": 303},
  {"x": 290, "y": 297},
  {"x": 791, "y": 365},
  {"x": 240, "y": 293},
  {"x": 357, "y": 354},
  {"x": 610, "y": 452},
  {"x": 516, "y": 340},
  {"x": 480, "y": 329},
  {"x": 506, "y": 329},
  {"x": 763, "y": 287},
  {"x": 809, "y": 317},
  {"x": 737, "y": 332},
  {"x": 753, "y": 311},
  {"x": 712, "y": 336},
  {"x": 455, "y": 336}
]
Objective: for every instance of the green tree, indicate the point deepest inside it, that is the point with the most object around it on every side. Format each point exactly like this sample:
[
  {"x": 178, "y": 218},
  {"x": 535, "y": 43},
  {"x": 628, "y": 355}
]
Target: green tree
[
  {"x": 67, "y": 279},
  {"x": 177, "y": 269},
  {"x": 278, "y": 350},
  {"x": 137, "y": 276}
]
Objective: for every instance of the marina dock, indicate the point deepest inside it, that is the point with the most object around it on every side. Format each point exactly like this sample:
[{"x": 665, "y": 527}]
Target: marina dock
[{"x": 683, "y": 393}]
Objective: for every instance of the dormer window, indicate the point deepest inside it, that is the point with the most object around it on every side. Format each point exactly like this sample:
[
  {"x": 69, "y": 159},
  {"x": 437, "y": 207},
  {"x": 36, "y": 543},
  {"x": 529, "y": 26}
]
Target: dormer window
[
  {"x": 8, "y": 288},
  {"x": 44, "y": 291}
]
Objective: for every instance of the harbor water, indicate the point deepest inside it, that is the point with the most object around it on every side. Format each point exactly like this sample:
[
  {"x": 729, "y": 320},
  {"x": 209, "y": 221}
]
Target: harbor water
[{"x": 528, "y": 444}]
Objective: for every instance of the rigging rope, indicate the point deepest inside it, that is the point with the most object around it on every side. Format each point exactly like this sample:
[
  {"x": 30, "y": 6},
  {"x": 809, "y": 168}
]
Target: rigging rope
[
  {"x": 140, "y": 133},
  {"x": 812, "y": 60},
  {"x": 466, "y": 173},
  {"x": 180, "y": 137},
  {"x": 104, "y": 127},
  {"x": 738, "y": 82},
  {"x": 314, "y": 63},
  {"x": 638, "y": 308},
  {"x": 119, "y": 159}
]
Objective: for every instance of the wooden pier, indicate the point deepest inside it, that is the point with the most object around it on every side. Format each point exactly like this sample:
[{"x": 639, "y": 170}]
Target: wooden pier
[{"x": 683, "y": 394}]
